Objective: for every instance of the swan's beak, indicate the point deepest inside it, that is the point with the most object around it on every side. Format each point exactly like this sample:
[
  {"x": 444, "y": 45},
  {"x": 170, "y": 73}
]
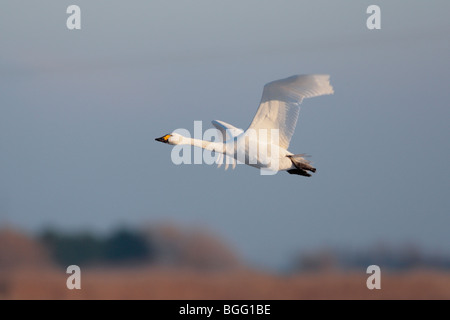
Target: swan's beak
[{"x": 164, "y": 139}]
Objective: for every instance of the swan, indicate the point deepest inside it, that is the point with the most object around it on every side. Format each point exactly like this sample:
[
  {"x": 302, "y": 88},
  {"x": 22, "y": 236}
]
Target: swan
[{"x": 265, "y": 143}]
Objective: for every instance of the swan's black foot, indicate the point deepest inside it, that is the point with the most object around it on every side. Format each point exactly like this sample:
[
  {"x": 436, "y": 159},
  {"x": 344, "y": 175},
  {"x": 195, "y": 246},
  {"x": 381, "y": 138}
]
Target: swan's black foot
[{"x": 300, "y": 172}]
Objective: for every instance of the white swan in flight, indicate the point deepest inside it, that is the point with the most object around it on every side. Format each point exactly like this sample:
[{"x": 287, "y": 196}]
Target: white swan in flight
[{"x": 264, "y": 144}]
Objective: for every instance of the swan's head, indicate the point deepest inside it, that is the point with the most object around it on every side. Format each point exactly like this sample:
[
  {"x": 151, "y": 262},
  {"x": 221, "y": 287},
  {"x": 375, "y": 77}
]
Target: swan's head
[{"x": 172, "y": 138}]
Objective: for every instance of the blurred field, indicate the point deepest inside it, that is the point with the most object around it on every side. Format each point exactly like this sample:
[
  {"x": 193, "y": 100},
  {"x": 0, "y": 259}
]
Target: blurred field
[
  {"x": 187, "y": 265},
  {"x": 150, "y": 283}
]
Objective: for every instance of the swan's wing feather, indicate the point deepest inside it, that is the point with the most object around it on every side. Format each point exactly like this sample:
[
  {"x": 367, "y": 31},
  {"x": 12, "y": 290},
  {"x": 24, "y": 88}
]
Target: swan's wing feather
[
  {"x": 280, "y": 103},
  {"x": 228, "y": 131},
  {"x": 219, "y": 160}
]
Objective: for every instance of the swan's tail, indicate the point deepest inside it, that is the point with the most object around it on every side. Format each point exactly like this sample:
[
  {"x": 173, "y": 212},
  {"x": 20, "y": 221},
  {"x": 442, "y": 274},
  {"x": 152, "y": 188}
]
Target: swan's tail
[{"x": 301, "y": 164}]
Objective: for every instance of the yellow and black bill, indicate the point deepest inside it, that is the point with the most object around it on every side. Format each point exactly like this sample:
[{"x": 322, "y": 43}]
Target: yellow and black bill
[{"x": 164, "y": 139}]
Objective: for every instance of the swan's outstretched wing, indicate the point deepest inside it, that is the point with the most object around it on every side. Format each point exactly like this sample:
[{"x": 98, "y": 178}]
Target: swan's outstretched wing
[
  {"x": 228, "y": 131},
  {"x": 279, "y": 107},
  {"x": 221, "y": 159}
]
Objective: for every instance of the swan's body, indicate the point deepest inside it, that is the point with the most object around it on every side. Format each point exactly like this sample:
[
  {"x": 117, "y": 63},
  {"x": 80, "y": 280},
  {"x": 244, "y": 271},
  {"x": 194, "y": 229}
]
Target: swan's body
[{"x": 270, "y": 131}]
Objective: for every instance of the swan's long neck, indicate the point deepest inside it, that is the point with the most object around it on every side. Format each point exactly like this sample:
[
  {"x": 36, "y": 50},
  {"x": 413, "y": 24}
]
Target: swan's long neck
[{"x": 207, "y": 145}]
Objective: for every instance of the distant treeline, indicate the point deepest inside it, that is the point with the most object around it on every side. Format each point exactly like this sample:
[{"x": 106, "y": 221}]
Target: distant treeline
[
  {"x": 175, "y": 247},
  {"x": 164, "y": 245},
  {"x": 120, "y": 247},
  {"x": 387, "y": 257}
]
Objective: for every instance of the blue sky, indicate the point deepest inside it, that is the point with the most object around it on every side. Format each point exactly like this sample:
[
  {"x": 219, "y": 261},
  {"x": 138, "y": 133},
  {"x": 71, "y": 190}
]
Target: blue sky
[{"x": 79, "y": 111}]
